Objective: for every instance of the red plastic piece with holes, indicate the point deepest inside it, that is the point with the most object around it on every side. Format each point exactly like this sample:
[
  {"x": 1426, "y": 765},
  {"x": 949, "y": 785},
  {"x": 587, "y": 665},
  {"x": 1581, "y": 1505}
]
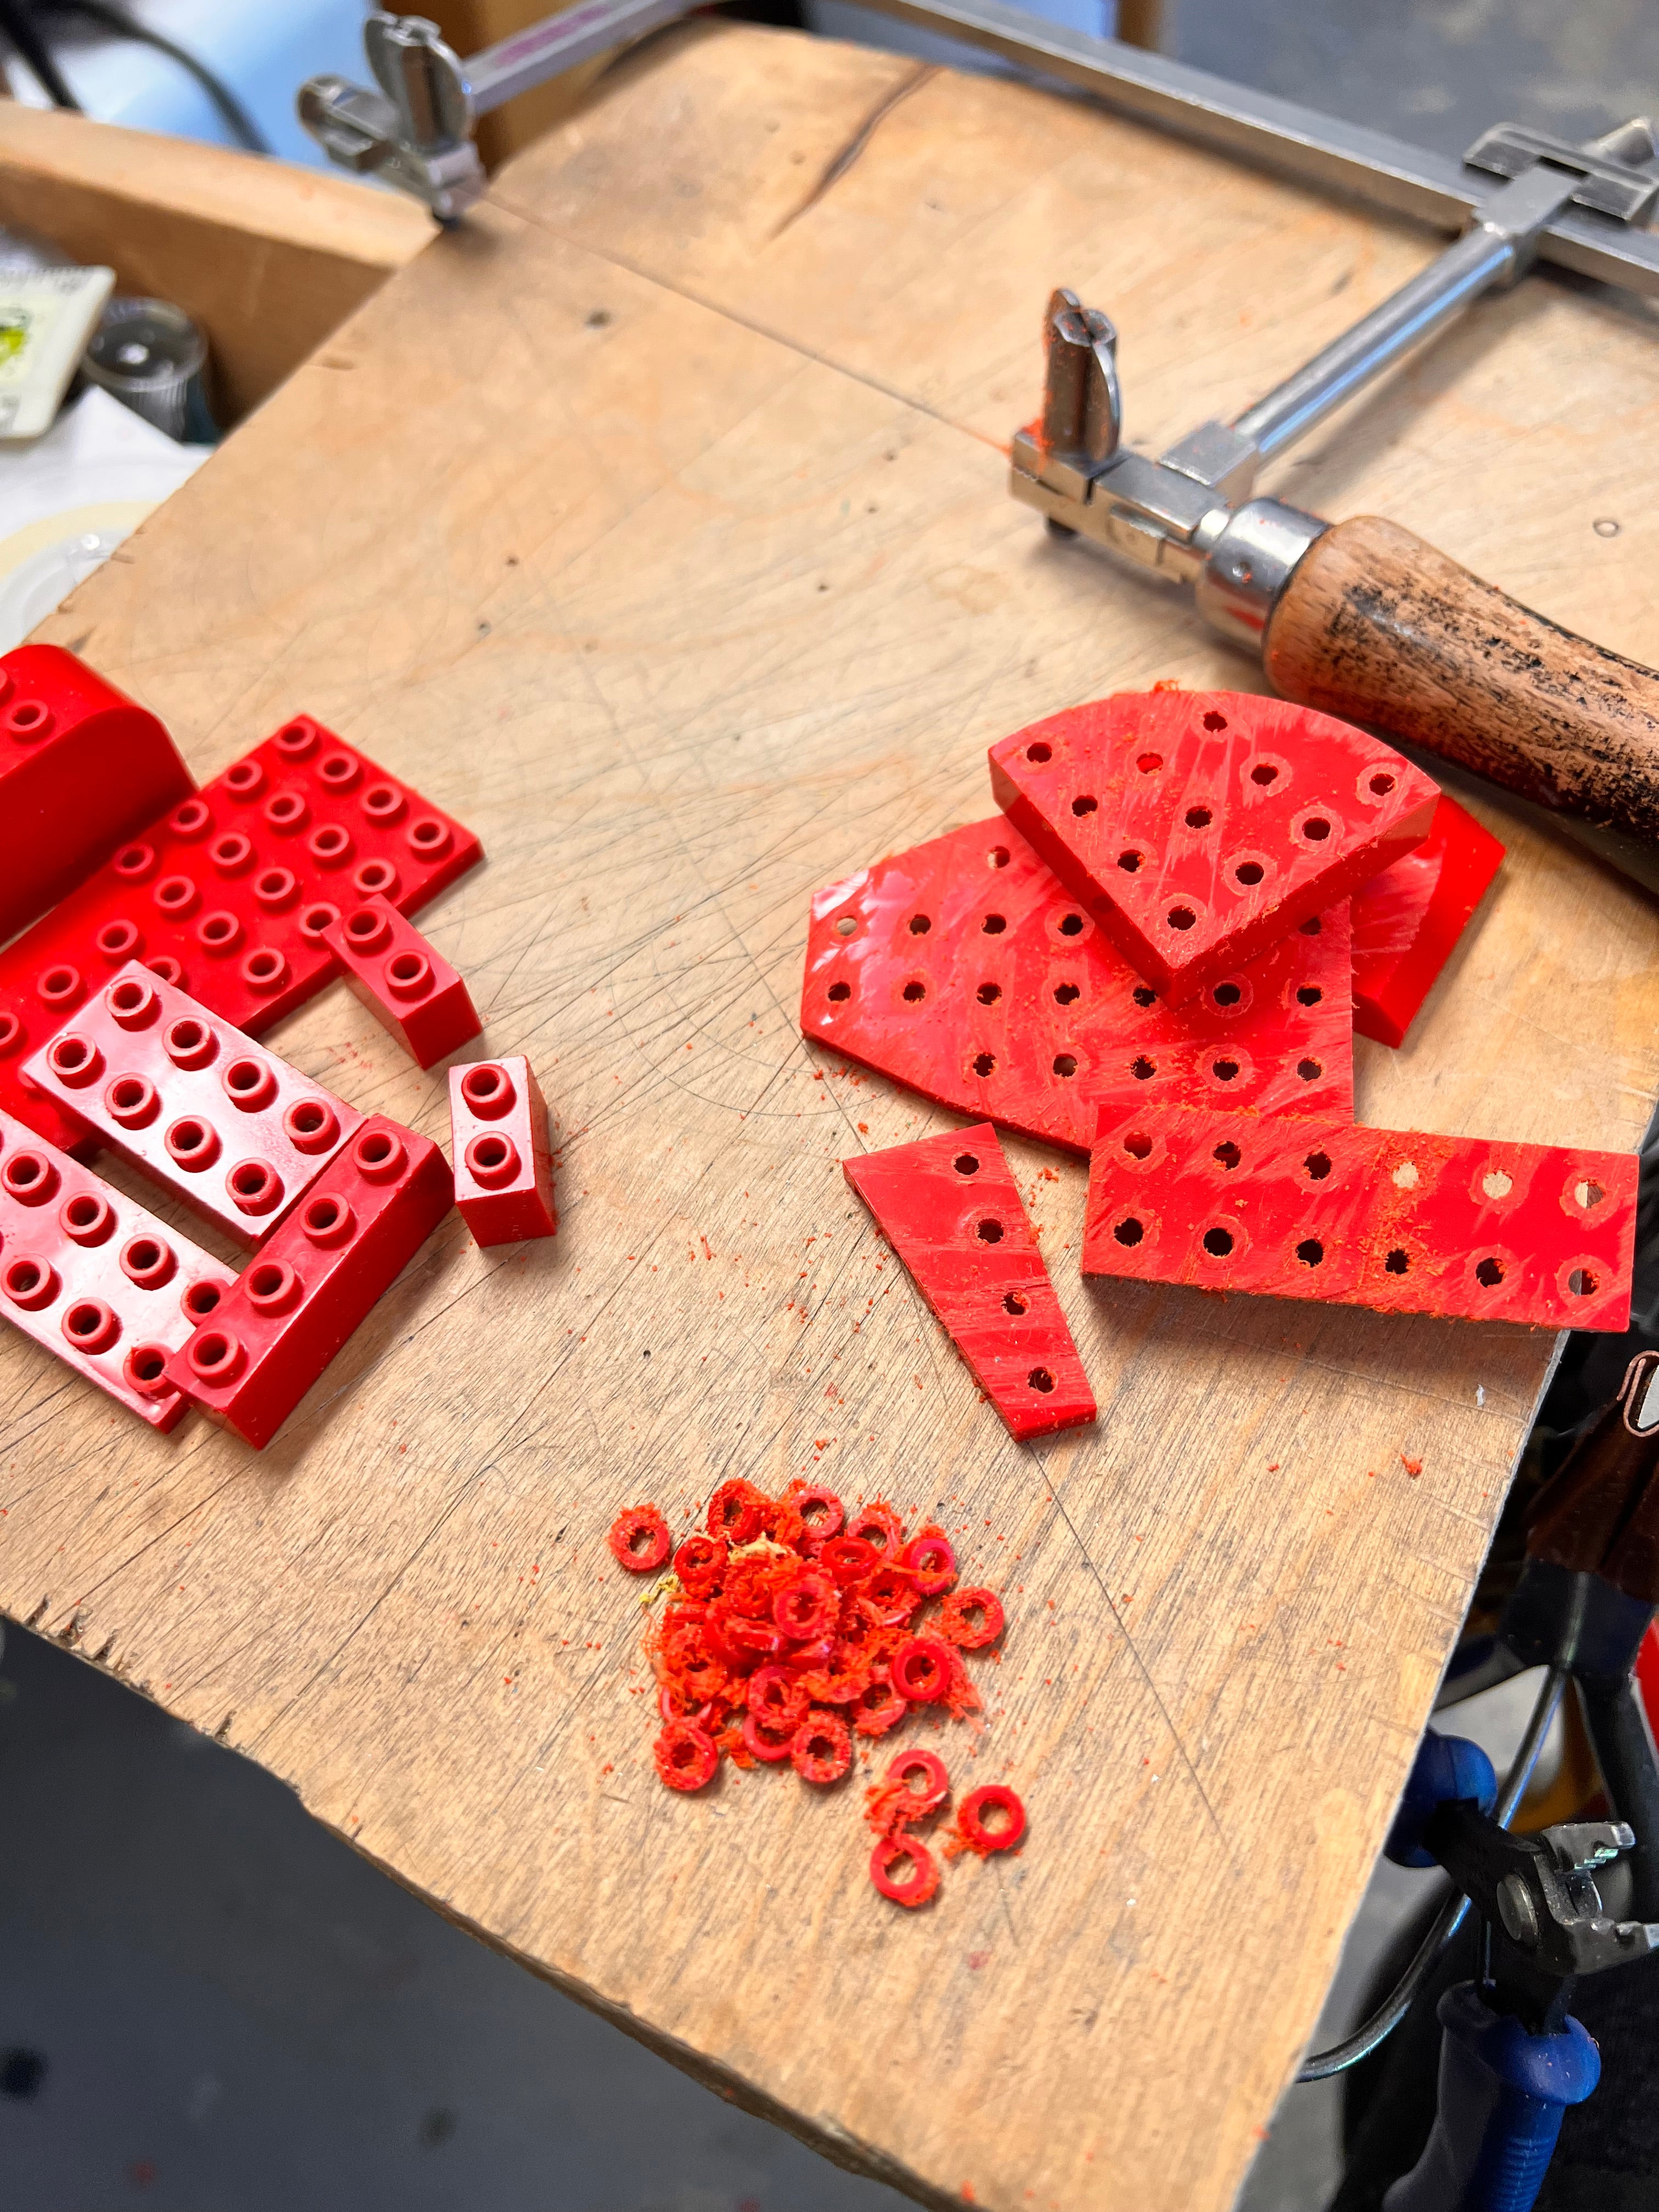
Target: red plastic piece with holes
[
  {"x": 949, "y": 1207},
  {"x": 229, "y": 897},
  {"x": 95, "y": 1279},
  {"x": 1200, "y": 827},
  {"x": 499, "y": 1143},
  {"x": 406, "y": 984},
  {"x": 81, "y": 766},
  {"x": 1400, "y": 1221},
  {"x": 364, "y": 1218},
  {"x": 919, "y": 1877},
  {"x": 635, "y": 1523},
  {"x": 964, "y": 969},
  {"x": 1407, "y": 920},
  {"x": 233, "y": 1130}
]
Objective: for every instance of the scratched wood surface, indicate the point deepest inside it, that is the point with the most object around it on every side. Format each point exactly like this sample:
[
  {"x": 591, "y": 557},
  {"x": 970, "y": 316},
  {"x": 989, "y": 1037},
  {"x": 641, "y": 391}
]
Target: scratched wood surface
[{"x": 654, "y": 524}]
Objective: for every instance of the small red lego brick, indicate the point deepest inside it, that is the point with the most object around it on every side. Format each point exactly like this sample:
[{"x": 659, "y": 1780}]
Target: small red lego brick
[
  {"x": 229, "y": 897},
  {"x": 82, "y": 766},
  {"x": 295, "y": 1303},
  {"x": 1407, "y": 920},
  {"x": 233, "y": 1130},
  {"x": 95, "y": 1279},
  {"x": 408, "y": 987},
  {"x": 950, "y": 1208},
  {"x": 1395, "y": 1220},
  {"x": 498, "y": 1142},
  {"x": 1197, "y": 827},
  {"x": 964, "y": 969}
]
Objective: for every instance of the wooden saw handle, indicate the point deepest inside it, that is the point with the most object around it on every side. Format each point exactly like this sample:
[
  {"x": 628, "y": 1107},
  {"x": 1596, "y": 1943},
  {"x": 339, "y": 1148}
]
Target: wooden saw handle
[{"x": 1378, "y": 627}]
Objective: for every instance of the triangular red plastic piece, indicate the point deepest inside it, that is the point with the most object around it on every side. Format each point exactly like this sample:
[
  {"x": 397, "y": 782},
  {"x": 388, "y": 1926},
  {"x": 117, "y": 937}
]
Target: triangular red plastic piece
[
  {"x": 964, "y": 969},
  {"x": 950, "y": 1208},
  {"x": 1407, "y": 920},
  {"x": 1197, "y": 827}
]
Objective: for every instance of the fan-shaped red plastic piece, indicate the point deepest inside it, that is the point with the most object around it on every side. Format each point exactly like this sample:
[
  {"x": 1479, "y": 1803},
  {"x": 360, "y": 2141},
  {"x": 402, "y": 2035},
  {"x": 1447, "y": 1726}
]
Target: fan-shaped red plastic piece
[
  {"x": 950, "y": 1208},
  {"x": 1197, "y": 827},
  {"x": 1407, "y": 920},
  {"x": 1396, "y": 1220},
  {"x": 964, "y": 968}
]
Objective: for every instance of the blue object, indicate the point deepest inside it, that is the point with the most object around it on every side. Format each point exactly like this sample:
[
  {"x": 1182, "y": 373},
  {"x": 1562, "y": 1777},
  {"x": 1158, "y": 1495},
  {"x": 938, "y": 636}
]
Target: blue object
[
  {"x": 1448, "y": 1770},
  {"x": 1502, "y": 2093}
]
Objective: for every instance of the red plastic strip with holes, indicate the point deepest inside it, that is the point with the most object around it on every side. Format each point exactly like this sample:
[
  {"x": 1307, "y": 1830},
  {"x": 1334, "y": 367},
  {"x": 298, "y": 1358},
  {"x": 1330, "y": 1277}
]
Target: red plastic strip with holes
[
  {"x": 950, "y": 1208},
  {"x": 964, "y": 968},
  {"x": 1197, "y": 827},
  {"x": 1398, "y": 1220},
  {"x": 501, "y": 1148}
]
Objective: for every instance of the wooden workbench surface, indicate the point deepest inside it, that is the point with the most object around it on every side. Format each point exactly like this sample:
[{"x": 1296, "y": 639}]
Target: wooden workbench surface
[{"x": 655, "y": 525}]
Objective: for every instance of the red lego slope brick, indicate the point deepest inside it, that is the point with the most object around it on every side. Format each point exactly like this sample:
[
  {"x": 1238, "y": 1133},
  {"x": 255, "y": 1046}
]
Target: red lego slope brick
[
  {"x": 1407, "y": 920},
  {"x": 410, "y": 987},
  {"x": 1396, "y": 1220},
  {"x": 229, "y": 895},
  {"x": 95, "y": 1279},
  {"x": 950, "y": 1208},
  {"x": 1197, "y": 827},
  {"x": 81, "y": 766},
  {"x": 499, "y": 1144},
  {"x": 233, "y": 1130},
  {"x": 296, "y": 1305},
  {"x": 963, "y": 969}
]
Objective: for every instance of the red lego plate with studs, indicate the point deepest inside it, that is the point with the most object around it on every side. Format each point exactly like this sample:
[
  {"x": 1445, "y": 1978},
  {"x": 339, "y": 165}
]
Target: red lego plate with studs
[
  {"x": 95, "y": 1279},
  {"x": 964, "y": 969},
  {"x": 229, "y": 896},
  {"x": 1395, "y": 1219},
  {"x": 233, "y": 1130},
  {"x": 407, "y": 984},
  {"x": 950, "y": 1208},
  {"x": 1408, "y": 920},
  {"x": 294, "y": 1304},
  {"x": 1197, "y": 827}
]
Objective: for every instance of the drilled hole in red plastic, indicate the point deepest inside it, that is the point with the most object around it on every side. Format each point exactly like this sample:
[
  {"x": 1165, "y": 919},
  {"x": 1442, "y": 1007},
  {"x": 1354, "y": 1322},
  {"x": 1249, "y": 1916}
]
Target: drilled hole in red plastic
[
  {"x": 1227, "y": 994},
  {"x": 995, "y": 924},
  {"x": 1085, "y": 802},
  {"x": 1137, "y": 1145},
  {"x": 1065, "y": 1063},
  {"x": 1070, "y": 925},
  {"x": 1214, "y": 721},
  {"x": 965, "y": 1164},
  {"x": 1181, "y": 917},
  {"x": 984, "y": 1063},
  {"x": 1143, "y": 1069},
  {"x": 1128, "y": 1230},
  {"x": 1249, "y": 872},
  {"x": 1310, "y": 1251},
  {"x": 1227, "y": 1154},
  {"x": 1197, "y": 817},
  {"x": 839, "y": 991},
  {"x": 1217, "y": 1242},
  {"x": 846, "y": 925},
  {"x": 1310, "y": 995},
  {"x": 1397, "y": 1262},
  {"x": 1311, "y": 926},
  {"x": 1130, "y": 861},
  {"x": 1041, "y": 1379},
  {"x": 1264, "y": 772},
  {"x": 1149, "y": 764},
  {"x": 1316, "y": 829},
  {"x": 1224, "y": 1071},
  {"x": 998, "y": 856},
  {"x": 1144, "y": 995},
  {"x": 988, "y": 993},
  {"x": 1381, "y": 783},
  {"x": 1489, "y": 1271},
  {"x": 1581, "y": 1283},
  {"x": 915, "y": 993},
  {"x": 988, "y": 1231},
  {"x": 920, "y": 924},
  {"x": 1013, "y": 1303},
  {"x": 1310, "y": 1070},
  {"x": 1318, "y": 1165},
  {"x": 1039, "y": 752}
]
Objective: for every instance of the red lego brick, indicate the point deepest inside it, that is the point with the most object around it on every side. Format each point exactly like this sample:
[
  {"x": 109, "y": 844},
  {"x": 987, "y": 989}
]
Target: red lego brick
[
  {"x": 950, "y": 1208},
  {"x": 82, "y": 766},
  {"x": 408, "y": 987},
  {"x": 1405, "y": 1222},
  {"x": 499, "y": 1143},
  {"x": 95, "y": 1279},
  {"x": 963, "y": 969},
  {"x": 229, "y": 897},
  {"x": 1407, "y": 920},
  {"x": 1197, "y": 827},
  {"x": 235, "y": 1131},
  {"x": 294, "y": 1306}
]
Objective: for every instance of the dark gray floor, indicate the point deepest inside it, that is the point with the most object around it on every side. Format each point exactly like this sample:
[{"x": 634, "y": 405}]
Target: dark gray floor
[{"x": 208, "y": 2005}]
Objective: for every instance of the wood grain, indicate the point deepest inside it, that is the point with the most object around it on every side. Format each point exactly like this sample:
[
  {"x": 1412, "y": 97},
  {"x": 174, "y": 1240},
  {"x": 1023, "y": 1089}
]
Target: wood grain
[
  {"x": 655, "y": 524},
  {"x": 1377, "y": 625},
  {"x": 268, "y": 257}
]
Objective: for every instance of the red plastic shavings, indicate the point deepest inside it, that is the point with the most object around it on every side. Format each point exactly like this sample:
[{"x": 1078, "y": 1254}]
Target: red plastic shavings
[
  {"x": 1401, "y": 1221},
  {"x": 914, "y": 1787},
  {"x": 805, "y": 1608},
  {"x": 700, "y": 1562},
  {"x": 685, "y": 1756},
  {"x": 951, "y": 1209},
  {"x": 970, "y": 1618},
  {"x": 808, "y": 1516},
  {"x": 1197, "y": 828},
  {"x": 640, "y": 1539},
  {"x": 921, "y": 1669},
  {"x": 1407, "y": 920},
  {"x": 930, "y": 1561},
  {"x": 877, "y": 1524},
  {"x": 764, "y": 1743},
  {"x": 739, "y": 1512},
  {"x": 849, "y": 1560},
  {"x": 913, "y": 1888},
  {"x": 963, "y": 969},
  {"x": 989, "y": 1819},
  {"x": 878, "y": 1709},
  {"x": 822, "y": 1750}
]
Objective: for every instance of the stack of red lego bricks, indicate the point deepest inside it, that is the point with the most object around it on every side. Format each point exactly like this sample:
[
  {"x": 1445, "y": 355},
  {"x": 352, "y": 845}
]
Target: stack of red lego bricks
[
  {"x": 1157, "y": 954},
  {"x": 169, "y": 928}
]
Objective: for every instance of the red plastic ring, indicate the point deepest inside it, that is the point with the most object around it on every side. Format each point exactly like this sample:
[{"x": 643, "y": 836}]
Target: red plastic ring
[
  {"x": 640, "y": 1539},
  {"x": 920, "y": 1880}
]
